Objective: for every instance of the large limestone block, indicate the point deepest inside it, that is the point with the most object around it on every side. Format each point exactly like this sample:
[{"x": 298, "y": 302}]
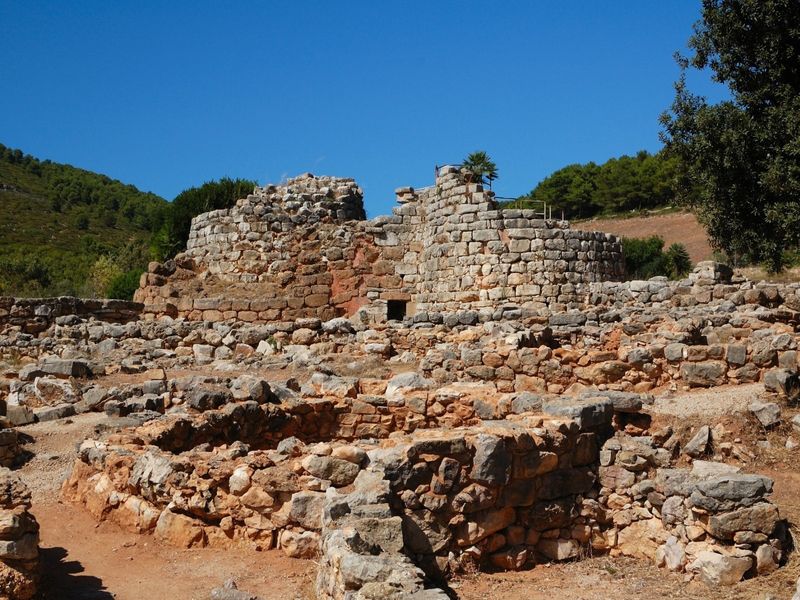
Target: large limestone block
[
  {"x": 715, "y": 569},
  {"x": 180, "y": 530}
]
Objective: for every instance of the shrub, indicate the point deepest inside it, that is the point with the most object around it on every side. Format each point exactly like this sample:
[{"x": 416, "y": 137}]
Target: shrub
[
  {"x": 124, "y": 285},
  {"x": 645, "y": 258}
]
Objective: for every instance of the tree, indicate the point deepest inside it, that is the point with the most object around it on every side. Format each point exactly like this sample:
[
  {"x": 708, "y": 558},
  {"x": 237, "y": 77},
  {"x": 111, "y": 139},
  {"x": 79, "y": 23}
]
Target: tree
[
  {"x": 123, "y": 285},
  {"x": 172, "y": 235},
  {"x": 639, "y": 182},
  {"x": 481, "y": 167},
  {"x": 742, "y": 156}
]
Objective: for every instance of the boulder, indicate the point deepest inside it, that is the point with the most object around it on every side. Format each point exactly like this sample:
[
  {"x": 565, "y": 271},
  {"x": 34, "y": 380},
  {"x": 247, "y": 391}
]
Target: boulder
[
  {"x": 767, "y": 413},
  {"x": 762, "y": 518},
  {"x": 715, "y": 569},
  {"x": 704, "y": 374},
  {"x": 698, "y": 445},
  {"x": 306, "y": 509},
  {"x": 299, "y": 544},
  {"x": 180, "y": 530},
  {"x": 336, "y": 470}
]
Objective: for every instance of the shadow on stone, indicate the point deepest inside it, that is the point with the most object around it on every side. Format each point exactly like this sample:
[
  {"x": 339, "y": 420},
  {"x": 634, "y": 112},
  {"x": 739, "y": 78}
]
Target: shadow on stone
[{"x": 61, "y": 579}]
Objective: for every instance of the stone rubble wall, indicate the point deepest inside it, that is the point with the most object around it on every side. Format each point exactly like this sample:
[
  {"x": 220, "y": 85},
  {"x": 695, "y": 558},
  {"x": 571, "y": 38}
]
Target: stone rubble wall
[
  {"x": 403, "y": 513},
  {"x": 303, "y": 250},
  {"x": 19, "y": 540},
  {"x": 35, "y": 315},
  {"x": 710, "y": 520},
  {"x": 740, "y": 336},
  {"x": 362, "y": 548}
]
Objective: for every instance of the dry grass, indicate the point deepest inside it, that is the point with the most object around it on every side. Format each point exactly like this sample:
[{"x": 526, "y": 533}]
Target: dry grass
[{"x": 761, "y": 274}]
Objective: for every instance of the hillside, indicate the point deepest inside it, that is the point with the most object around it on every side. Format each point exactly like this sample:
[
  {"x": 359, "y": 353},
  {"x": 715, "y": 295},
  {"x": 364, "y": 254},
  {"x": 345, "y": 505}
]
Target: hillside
[
  {"x": 680, "y": 227},
  {"x": 65, "y": 230}
]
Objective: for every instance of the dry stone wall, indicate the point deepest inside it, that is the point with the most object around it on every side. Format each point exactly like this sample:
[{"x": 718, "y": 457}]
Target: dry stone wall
[
  {"x": 397, "y": 514},
  {"x": 19, "y": 540},
  {"x": 35, "y": 315},
  {"x": 303, "y": 250}
]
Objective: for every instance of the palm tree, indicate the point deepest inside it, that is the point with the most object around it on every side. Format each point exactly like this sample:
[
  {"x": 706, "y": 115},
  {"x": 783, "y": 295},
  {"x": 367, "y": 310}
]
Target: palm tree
[{"x": 481, "y": 167}]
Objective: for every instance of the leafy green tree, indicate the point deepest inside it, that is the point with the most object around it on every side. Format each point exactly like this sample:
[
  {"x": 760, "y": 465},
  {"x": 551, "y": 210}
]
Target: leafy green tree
[
  {"x": 741, "y": 157},
  {"x": 627, "y": 183},
  {"x": 173, "y": 234},
  {"x": 481, "y": 167},
  {"x": 82, "y": 221},
  {"x": 645, "y": 258},
  {"x": 123, "y": 286}
]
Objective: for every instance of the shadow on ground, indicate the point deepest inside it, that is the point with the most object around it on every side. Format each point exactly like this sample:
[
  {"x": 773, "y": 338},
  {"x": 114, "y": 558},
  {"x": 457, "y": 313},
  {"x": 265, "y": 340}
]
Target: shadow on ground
[{"x": 62, "y": 580}]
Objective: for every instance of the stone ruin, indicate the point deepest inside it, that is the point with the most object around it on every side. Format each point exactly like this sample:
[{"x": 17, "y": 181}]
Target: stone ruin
[
  {"x": 273, "y": 399},
  {"x": 303, "y": 249}
]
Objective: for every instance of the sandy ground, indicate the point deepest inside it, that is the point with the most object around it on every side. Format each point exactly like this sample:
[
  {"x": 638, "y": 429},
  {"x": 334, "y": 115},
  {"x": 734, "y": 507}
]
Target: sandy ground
[{"x": 86, "y": 560}]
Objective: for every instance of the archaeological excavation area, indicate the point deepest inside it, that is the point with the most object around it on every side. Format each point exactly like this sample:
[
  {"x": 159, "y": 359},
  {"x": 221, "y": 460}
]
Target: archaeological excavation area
[{"x": 454, "y": 401}]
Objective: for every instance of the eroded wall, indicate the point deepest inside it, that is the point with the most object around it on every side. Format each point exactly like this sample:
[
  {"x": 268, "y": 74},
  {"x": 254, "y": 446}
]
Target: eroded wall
[{"x": 303, "y": 250}]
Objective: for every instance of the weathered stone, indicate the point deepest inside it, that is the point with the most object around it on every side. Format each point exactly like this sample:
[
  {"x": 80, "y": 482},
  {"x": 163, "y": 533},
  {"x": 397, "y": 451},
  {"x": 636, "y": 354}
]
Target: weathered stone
[
  {"x": 492, "y": 461},
  {"x": 767, "y": 413},
  {"x": 715, "y": 569},
  {"x": 339, "y": 472}
]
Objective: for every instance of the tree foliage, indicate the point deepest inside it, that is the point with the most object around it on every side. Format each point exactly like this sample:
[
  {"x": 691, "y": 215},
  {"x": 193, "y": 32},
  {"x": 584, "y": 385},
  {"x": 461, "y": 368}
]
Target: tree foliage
[
  {"x": 123, "y": 286},
  {"x": 639, "y": 182},
  {"x": 741, "y": 158},
  {"x": 64, "y": 229},
  {"x": 645, "y": 258},
  {"x": 481, "y": 166},
  {"x": 90, "y": 196},
  {"x": 68, "y": 231},
  {"x": 173, "y": 234}
]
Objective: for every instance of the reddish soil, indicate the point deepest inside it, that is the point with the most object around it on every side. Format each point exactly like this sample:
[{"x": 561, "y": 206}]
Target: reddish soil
[
  {"x": 86, "y": 560},
  {"x": 681, "y": 228}
]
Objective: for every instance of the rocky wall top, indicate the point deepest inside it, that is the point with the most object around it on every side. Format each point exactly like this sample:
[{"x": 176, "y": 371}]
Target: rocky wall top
[{"x": 34, "y": 315}]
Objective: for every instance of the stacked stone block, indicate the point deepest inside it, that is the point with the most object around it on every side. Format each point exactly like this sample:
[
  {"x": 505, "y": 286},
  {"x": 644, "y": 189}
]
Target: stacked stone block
[{"x": 303, "y": 249}]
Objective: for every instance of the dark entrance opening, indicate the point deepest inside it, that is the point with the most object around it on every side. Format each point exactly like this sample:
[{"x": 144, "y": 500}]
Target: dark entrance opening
[{"x": 395, "y": 310}]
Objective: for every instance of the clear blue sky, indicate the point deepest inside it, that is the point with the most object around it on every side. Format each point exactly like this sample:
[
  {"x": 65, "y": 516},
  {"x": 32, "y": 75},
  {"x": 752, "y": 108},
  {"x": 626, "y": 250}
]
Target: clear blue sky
[{"x": 166, "y": 95}]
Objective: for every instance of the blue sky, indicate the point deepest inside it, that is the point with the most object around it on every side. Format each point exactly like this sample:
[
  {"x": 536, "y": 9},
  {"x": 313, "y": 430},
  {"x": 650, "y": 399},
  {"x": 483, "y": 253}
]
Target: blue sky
[{"x": 166, "y": 95}]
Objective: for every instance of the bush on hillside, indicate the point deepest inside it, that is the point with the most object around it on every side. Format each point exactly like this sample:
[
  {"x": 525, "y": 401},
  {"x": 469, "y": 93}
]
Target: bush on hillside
[
  {"x": 173, "y": 234},
  {"x": 646, "y": 258},
  {"x": 641, "y": 182},
  {"x": 123, "y": 286}
]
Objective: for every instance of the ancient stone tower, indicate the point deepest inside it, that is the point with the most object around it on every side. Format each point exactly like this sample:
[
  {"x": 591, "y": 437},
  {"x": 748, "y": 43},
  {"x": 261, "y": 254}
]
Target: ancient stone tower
[{"x": 304, "y": 249}]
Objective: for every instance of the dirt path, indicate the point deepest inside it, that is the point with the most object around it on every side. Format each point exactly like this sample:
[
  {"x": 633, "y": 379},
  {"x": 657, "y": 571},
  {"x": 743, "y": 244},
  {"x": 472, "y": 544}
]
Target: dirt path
[{"x": 84, "y": 560}]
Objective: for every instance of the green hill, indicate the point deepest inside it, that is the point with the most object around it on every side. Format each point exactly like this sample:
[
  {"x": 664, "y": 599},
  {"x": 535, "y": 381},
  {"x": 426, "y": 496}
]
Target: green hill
[{"x": 65, "y": 230}]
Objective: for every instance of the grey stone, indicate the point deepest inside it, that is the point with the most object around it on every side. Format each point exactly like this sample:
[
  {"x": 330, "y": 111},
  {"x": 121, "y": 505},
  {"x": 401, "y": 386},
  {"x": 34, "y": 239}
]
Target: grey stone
[
  {"x": 526, "y": 402},
  {"x": 587, "y": 413},
  {"x": 66, "y": 368},
  {"x": 767, "y": 413},
  {"x": 306, "y": 509},
  {"x": 206, "y": 399},
  {"x": 52, "y": 413},
  {"x": 729, "y": 491},
  {"x": 698, "y": 445},
  {"x": 715, "y": 569},
  {"x": 492, "y": 461},
  {"x": 19, "y": 414},
  {"x": 704, "y": 374},
  {"x": 339, "y": 472}
]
